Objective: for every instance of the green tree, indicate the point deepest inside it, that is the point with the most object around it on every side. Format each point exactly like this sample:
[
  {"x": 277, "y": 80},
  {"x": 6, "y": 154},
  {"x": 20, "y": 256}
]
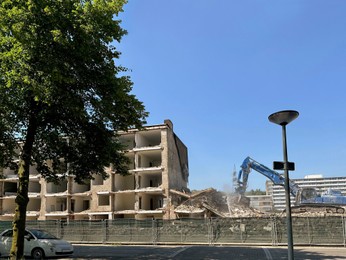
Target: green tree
[
  {"x": 255, "y": 192},
  {"x": 62, "y": 97}
]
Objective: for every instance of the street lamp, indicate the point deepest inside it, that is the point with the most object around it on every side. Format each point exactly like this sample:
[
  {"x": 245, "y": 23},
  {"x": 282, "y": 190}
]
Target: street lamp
[{"x": 283, "y": 118}]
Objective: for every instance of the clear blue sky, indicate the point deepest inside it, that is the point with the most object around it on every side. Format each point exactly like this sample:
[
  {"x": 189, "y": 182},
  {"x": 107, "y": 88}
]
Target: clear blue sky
[{"x": 218, "y": 69}]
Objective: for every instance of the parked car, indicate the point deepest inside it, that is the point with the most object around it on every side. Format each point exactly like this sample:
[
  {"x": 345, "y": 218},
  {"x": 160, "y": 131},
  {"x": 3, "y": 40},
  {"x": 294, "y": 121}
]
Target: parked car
[{"x": 38, "y": 244}]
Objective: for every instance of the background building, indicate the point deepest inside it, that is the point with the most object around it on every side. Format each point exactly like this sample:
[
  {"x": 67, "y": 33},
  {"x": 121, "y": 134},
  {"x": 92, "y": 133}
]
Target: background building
[
  {"x": 264, "y": 203},
  {"x": 158, "y": 169},
  {"x": 313, "y": 181}
]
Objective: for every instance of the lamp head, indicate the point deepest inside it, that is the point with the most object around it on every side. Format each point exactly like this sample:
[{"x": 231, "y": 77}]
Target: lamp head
[{"x": 283, "y": 117}]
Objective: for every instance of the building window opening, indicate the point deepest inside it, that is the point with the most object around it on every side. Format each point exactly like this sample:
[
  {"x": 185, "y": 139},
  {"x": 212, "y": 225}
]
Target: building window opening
[
  {"x": 98, "y": 180},
  {"x": 151, "y": 204},
  {"x": 72, "y": 205},
  {"x": 86, "y": 204},
  {"x": 103, "y": 200},
  {"x": 10, "y": 188}
]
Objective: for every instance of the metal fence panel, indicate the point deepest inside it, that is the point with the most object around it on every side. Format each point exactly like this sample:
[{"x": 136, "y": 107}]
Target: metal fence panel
[
  {"x": 130, "y": 231},
  {"x": 183, "y": 231},
  {"x": 241, "y": 230},
  {"x": 83, "y": 231},
  {"x": 5, "y": 225},
  {"x": 321, "y": 230}
]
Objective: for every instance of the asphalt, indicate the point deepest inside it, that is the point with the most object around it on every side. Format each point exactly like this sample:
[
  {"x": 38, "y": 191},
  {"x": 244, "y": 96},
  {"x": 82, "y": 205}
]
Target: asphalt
[{"x": 205, "y": 252}]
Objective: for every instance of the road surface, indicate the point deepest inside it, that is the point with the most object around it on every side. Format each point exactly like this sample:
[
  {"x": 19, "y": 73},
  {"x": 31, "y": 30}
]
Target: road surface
[{"x": 205, "y": 252}]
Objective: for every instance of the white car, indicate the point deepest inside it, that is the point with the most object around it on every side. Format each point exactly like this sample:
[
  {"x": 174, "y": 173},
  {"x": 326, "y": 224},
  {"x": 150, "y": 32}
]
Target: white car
[{"x": 37, "y": 244}]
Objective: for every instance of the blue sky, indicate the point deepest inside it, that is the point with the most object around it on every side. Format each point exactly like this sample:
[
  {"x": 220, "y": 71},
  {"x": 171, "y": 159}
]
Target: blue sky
[{"x": 219, "y": 68}]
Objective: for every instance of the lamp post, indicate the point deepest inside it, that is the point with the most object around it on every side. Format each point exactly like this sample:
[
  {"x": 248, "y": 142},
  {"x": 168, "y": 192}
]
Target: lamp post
[{"x": 283, "y": 118}]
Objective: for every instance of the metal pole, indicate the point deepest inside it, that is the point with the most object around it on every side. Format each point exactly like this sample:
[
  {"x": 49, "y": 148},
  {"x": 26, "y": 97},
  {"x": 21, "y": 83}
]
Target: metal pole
[{"x": 288, "y": 198}]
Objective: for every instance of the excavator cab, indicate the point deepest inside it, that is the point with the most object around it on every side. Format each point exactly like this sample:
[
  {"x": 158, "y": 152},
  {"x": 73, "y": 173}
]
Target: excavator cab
[{"x": 306, "y": 195}]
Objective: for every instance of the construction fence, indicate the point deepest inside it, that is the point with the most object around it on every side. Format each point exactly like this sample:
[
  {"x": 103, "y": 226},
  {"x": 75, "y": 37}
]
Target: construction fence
[{"x": 324, "y": 230}]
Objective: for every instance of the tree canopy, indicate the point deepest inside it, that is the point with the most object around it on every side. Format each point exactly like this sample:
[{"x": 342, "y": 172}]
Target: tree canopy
[
  {"x": 57, "y": 66},
  {"x": 62, "y": 95},
  {"x": 255, "y": 192}
]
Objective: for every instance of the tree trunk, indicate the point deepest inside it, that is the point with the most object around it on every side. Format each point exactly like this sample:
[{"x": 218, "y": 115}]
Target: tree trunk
[{"x": 22, "y": 199}]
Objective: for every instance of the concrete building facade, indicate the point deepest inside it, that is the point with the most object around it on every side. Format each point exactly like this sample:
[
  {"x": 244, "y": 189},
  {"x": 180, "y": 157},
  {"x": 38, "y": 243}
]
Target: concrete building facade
[
  {"x": 315, "y": 181},
  {"x": 158, "y": 174}
]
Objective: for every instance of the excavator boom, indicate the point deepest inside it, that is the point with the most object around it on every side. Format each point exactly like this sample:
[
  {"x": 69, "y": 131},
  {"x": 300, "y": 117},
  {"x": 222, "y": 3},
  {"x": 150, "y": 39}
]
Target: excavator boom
[{"x": 274, "y": 176}]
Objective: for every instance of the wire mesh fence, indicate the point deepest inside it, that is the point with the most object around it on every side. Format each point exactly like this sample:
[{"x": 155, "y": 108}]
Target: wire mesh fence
[{"x": 323, "y": 230}]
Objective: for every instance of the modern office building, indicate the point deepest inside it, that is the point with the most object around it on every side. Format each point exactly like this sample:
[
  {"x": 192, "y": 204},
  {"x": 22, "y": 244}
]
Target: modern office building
[
  {"x": 158, "y": 174},
  {"x": 313, "y": 181}
]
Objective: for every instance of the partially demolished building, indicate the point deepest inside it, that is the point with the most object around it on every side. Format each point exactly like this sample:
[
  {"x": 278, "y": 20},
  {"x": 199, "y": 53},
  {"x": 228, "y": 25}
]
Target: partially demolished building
[{"x": 157, "y": 179}]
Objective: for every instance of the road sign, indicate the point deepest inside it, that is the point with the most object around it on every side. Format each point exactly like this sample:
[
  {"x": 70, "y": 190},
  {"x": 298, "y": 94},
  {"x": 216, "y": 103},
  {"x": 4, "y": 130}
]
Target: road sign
[{"x": 281, "y": 166}]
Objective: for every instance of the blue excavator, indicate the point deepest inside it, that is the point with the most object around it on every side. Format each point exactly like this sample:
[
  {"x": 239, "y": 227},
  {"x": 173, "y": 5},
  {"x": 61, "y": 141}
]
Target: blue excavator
[{"x": 307, "y": 198}]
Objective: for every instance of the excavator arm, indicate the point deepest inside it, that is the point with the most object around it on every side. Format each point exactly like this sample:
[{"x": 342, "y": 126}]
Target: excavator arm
[{"x": 274, "y": 176}]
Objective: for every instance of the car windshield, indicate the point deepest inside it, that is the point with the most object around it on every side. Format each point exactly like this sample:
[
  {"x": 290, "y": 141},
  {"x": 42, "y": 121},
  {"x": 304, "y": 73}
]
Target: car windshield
[{"x": 40, "y": 234}]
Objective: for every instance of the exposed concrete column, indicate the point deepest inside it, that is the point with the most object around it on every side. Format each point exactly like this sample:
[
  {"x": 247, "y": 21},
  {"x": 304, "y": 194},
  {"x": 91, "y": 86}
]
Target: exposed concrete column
[
  {"x": 1, "y": 193},
  {"x": 165, "y": 162},
  {"x": 69, "y": 191},
  {"x": 43, "y": 183},
  {"x": 68, "y": 204},
  {"x": 112, "y": 195},
  {"x": 137, "y": 184},
  {"x": 111, "y": 201},
  {"x": 136, "y": 206}
]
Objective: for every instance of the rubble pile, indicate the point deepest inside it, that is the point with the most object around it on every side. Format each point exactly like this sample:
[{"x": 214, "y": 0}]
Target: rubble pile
[
  {"x": 317, "y": 210},
  {"x": 239, "y": 206},
  {"x": 210, "y": 203}
]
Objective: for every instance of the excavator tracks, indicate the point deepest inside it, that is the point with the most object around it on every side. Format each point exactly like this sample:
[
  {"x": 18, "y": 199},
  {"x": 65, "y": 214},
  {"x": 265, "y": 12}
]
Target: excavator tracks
[{"x": 316, "y": 208}]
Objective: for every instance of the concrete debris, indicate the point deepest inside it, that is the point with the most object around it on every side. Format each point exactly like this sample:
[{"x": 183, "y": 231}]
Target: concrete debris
[
  {"x": 317, "y": 210},
  {"x": 58, "y": 194},
  {"x": 212, "y": 203},
  {"x": 180, "y": 193},
  {"x": 147, "y": 189}
]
